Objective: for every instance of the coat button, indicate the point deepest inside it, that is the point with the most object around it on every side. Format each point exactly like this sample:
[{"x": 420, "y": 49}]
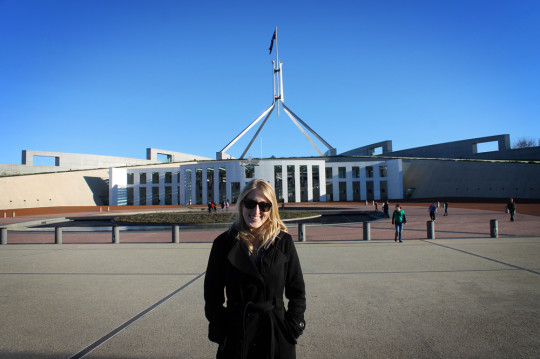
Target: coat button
[{"x": 302, "y": 325}]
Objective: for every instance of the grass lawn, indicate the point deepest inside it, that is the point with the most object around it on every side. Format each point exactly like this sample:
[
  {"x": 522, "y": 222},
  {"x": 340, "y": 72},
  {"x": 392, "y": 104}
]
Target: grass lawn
[{"x": 200, "y": 217}]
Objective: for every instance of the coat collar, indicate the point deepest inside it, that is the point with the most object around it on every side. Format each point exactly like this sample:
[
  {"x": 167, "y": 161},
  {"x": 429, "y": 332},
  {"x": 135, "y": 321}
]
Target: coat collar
[{"x": 238, "y": 256}]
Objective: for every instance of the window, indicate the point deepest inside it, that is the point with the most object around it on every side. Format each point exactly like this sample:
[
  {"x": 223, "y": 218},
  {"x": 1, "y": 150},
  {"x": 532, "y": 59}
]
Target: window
[
  {"x": 250, "y": 171},
  {"x": 130, "y": 178},
  {"x": 130, "y": 192},
  {"x": 328, "y": 172},
  {"x": 342, "y": 191},
  {"x": 342, "y": 172},
  {"x": 187, "y": 186},
  {"x": 168, "y": 195},
  {"x": 278, "y": 184},
  {"x": 369, "y": 171},
  {"x": 142, "y": 196},
  {"x": 210, "y": 184},
  {"x": 222, "y": 184},
  {"x": 142, "y": 178},
  {"x": 383, "y": 171},
  {"x": 291, "y": 183},
  {"x": 155, "y": 195},
  {"x": 155, "y": 177},
  {"x": 303, "y": 184},
  {"x": 315, "y": 179},
  {"x": 356, "y": 172},
  {"x": 168, "y": 177}
]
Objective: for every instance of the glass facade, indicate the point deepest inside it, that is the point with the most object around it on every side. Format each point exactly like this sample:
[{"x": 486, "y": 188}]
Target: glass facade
[
  {"x": 356, "y": 191},
  {"x": 278, "y": 183},
  {"x": 315, "y": 184},
  {"x": 168, "y": 195},
  {"x": 370, "y": 196},
  {"x": 187, "y": 185},
  {"x": 303, "y": 184},
  {"x": 344, "y": 181},
  {"x": 155, "y": 196},
  {"x": 291, "y": 184},
  {"x": 222, "y": 184},
  {"x": 130, "y": 191},
  {"x": 198, "y": 186},
  {"x": 210, "y": 184},
  {"x": 342, "y": 191},
  {"x": 235, "y": 191},
  {"x": 369, "y": 171},
  {"x": 142, "y": 196},
  {"x": 250, "y": 171}
]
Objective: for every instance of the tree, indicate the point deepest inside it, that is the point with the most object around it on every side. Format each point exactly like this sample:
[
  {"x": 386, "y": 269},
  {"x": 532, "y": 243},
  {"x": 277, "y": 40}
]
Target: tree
[{"x": 525, "y": 142}]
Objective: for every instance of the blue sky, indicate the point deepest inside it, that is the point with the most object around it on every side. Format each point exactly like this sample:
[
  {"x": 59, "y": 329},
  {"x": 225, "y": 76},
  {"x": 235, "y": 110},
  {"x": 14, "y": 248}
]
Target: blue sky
[{"x": 115, "y": 77}]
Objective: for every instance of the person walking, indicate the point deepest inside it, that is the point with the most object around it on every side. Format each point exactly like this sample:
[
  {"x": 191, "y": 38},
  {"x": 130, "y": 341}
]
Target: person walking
[
  {"x": 511, "y": 208},
  {"x": 432, "y": 211},
  {"x": 385, "y": 209},
  {"x": 445, "y": 208},
  {"x": 398, "y": 219},
  {"x": 250, "y": 267}
]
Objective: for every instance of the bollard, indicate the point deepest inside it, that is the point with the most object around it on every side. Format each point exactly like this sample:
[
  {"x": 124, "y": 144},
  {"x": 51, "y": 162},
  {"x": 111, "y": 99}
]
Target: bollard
[
  {"x": 367, "y": 231},
  {"x": 115, "y": 234},
  {"x": 58, "y": 235},
  {"x": 301, "y": 232},
  {"x": 494, "y": 228},
  {"x": 176, "y": 234},
  {"x": 3, "y": 235},
  {"x": 430, "y": 229}
]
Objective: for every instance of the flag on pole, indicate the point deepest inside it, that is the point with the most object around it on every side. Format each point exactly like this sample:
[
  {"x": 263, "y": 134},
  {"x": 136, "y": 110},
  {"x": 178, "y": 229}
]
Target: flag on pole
[{"x": 272, "y": 42}]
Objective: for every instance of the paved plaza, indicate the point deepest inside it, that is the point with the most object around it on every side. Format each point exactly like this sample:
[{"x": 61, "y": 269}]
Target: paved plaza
[{"x": 461, "y": 295}]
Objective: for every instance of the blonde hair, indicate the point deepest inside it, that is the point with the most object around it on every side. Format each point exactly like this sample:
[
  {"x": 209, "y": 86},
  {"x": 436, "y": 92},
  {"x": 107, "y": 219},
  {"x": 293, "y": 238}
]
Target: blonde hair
[{"x": 270, "y": 228}]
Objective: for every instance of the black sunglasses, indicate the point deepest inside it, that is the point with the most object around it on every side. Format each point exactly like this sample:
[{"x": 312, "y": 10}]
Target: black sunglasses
[{"x": 263, "y": 206}]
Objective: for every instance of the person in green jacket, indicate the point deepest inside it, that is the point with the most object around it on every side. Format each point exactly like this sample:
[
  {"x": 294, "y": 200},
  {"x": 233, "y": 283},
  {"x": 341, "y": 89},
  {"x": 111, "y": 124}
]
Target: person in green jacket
[{"x": 398, "y": 219}]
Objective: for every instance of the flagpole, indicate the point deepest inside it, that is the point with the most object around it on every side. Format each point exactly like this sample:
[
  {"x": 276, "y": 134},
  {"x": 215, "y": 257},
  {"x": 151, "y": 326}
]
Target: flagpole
[
  {"x": 277, "y": 57},
  {"x": 277, "y": 68}
]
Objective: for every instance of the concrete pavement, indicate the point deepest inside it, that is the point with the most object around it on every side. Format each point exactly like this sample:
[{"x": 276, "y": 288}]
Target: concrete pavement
[{"x": 466, "y": 296}]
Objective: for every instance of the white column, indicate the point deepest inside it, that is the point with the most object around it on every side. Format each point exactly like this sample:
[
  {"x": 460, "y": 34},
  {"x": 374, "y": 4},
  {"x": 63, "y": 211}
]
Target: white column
[
  {"x": 310, "y": 182},
  {"x": 297, "y": 189},
  {"x": 216, "y": 185},
  {"x": 205, "y": 198},
  {"x": 284, "y": 182},
  {"x": 193, "y": 185}
]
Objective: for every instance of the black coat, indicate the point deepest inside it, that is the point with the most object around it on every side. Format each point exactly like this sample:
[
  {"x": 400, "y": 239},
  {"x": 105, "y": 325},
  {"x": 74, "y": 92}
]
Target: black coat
[{"x": 254, "y": 320}]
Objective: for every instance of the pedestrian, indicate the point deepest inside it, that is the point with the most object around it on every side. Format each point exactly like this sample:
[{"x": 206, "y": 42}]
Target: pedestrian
[
  {"x": 376, "y": 206},
  {"x": 209, "y": 207},
  {"x": 398, "y": 219},
  {"x": 432, "y": 211},
  {"x": 511, "y": 208},
  {"x": 251, "y": 266},
  {"x": 385, "y": 209},
  {"x": 445, "y": 208}
]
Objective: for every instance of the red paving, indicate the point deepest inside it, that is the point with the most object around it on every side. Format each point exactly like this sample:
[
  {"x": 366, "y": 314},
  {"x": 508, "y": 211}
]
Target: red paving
[{"x": 466, "y": 220}]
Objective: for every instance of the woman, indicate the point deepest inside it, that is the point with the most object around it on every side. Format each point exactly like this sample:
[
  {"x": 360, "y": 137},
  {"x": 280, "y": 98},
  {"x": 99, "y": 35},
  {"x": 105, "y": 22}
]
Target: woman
[
  {"x": 398, "y": 219},
  {"x": 255, "y": 263}
]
